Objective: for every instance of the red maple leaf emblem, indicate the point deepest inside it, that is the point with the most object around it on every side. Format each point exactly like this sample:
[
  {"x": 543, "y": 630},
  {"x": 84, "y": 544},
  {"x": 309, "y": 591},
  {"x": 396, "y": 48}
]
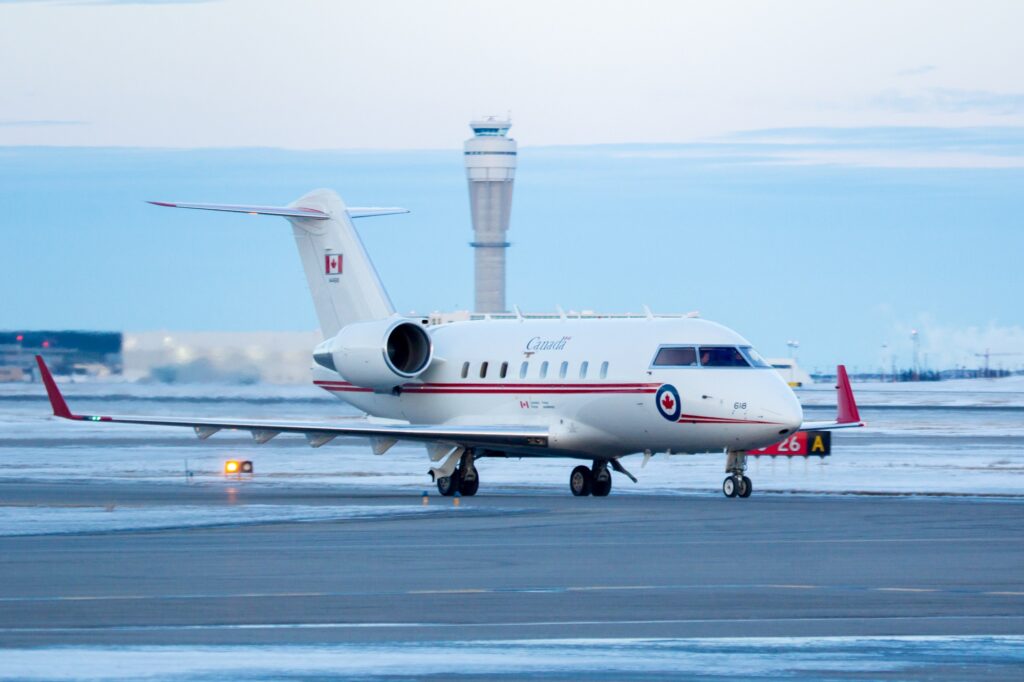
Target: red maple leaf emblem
[{"x": 667, "y": 402}]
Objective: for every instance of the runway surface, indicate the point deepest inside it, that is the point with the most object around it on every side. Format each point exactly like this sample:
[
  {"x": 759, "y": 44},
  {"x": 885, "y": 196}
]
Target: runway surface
[{"x": 516, "y": 565}]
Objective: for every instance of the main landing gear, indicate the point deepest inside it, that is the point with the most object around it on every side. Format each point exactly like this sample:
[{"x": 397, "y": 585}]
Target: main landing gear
[
  {"x": 736, "y": 484},
  {"x": 595, "y": 480},
  {"x": 465, "y": 480}
]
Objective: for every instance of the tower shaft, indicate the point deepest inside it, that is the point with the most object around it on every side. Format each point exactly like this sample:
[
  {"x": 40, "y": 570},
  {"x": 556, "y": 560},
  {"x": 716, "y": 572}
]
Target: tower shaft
[{"x": 490, "y": 158}]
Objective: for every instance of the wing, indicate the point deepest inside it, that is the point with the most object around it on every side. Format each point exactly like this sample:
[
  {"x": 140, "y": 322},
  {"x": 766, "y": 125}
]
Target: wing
[
  {"x": 521, "y": 439},
  {"x": 847, "y": 414}
]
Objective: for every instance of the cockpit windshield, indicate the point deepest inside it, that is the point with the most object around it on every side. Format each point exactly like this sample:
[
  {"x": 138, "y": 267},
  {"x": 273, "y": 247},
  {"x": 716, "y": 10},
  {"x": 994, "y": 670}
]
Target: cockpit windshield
[
  {"x": 755, "y": 358},
  {"x": 722, "y": 356}
]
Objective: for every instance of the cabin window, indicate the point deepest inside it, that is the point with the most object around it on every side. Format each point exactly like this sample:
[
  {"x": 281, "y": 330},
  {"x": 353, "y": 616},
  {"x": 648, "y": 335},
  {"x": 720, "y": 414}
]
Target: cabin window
[
  {"x": 722, "y": 356},
  {"x": 523, "y": 369},
  {"x": 544, "y": 369},
  {"x": 483, "y": 370},
  {"x": 504, "y": 370},
  {"x": 604, "y": 369},
  {"x": 583, "y": 369},
  {"x": 465, "y": 370},
  {"x": 675, "y": 356},
  {"x": 563, "y": 370}
]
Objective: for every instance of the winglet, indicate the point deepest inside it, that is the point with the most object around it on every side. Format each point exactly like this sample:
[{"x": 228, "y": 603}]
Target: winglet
[
  {"x": 60, "y": 408},
  {"x": 848, "y": 412}
]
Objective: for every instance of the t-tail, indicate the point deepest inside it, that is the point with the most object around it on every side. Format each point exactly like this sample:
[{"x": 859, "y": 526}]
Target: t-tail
[{"x": 341, "y": 277}]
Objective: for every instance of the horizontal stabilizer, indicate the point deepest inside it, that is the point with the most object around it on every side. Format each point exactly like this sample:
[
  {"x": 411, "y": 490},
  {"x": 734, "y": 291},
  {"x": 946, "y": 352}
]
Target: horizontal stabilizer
[
  {"x": 371, "y": 212},
  {"x": 286, "y": 211}
]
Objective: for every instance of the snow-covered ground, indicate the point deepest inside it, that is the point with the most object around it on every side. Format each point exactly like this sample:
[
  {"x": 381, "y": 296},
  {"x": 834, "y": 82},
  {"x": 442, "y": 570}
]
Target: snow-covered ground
[
  {"x": 1004, "y": 392},
  {"x": 38, "y": 520},
  {"x": 988, "y": 657},
  {"x": 964, "y": 437}
]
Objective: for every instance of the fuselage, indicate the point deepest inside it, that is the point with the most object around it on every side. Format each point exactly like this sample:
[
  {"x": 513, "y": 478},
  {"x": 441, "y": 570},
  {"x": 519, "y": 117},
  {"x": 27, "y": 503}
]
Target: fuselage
[{"x": 603, "y": 387}]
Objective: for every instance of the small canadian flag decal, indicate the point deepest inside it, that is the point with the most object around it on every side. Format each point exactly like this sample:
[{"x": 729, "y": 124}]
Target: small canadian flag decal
[{"x": 332, "y": 264}]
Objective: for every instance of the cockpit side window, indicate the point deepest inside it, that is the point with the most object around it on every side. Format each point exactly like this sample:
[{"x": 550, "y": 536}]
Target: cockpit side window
[
  {"x": 722, "y": 356},
  {"x": 676, "y": 356}
]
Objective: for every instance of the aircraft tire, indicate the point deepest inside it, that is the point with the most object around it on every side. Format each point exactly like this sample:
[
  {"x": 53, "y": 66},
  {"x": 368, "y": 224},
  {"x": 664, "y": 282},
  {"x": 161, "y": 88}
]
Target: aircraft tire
[
  {"x": 729, "y": 486},
  {"x": 581, "y": 481},
  {"x": 448, "y": 485},
  {"x": 469, "y": 486},
  {"x": 601, "y": 486},
  {"x": 746, "y": 488}
]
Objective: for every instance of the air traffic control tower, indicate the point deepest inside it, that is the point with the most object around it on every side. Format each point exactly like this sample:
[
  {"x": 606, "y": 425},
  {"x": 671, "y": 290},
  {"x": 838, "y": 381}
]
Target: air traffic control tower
[{"x": 490, "y": 169}]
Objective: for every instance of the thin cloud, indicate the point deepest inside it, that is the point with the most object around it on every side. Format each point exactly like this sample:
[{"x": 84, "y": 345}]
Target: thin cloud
[
  {"x": 867, "y": 147},
  {"x": 951, "y": 101},
  {"x": 917, "y": 70},
  {"x": 105, "y": 2},
  {"x": 38, "y": 122}
]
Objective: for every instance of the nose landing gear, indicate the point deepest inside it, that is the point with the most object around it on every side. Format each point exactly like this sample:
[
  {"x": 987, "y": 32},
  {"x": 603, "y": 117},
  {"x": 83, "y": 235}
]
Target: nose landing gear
[{"x": 736, "y": 484}]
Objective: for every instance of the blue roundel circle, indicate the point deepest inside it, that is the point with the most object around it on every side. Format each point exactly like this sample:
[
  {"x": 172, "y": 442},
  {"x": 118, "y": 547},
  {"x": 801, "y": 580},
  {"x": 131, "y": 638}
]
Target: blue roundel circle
[{"x": 667, "y": 400}]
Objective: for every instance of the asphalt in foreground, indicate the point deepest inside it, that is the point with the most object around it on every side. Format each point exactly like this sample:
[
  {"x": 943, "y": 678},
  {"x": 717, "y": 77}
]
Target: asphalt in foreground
[{"x": 514, "y": 567}]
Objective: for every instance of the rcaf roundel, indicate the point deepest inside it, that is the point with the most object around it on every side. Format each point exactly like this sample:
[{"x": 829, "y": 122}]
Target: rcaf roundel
[
  {"x": 332, "y": 264},
  {"x": 667, "y": 399}
]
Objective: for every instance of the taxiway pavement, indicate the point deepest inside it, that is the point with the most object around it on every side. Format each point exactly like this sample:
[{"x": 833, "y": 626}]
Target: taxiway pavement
[{"x": 516, "y": 565}]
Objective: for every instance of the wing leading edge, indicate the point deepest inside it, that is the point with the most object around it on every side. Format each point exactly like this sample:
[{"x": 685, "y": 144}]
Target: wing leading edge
[{"x": 512, "y": 437}]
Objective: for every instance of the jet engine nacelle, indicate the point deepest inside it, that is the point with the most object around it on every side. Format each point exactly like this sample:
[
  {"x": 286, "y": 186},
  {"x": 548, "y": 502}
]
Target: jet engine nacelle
[{"x": 379, "y": 354}]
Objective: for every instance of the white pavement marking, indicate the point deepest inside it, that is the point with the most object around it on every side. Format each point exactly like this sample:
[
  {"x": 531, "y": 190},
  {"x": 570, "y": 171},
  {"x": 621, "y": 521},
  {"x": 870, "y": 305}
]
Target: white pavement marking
[
  {"x": 503, "y": 624},
  {"x": 536, "y": 589}
]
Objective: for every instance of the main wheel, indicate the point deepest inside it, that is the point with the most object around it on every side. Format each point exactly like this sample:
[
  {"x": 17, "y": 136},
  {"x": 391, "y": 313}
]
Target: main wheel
[
  {"x": 469, "y": 486},
  {"x": 602, "y": 484},
  {"x": 746, "y": 488},
  {"x": 581, "y": 481},
  {"x": 729, "y": 486},
  {"x": 448, "y": 485}
]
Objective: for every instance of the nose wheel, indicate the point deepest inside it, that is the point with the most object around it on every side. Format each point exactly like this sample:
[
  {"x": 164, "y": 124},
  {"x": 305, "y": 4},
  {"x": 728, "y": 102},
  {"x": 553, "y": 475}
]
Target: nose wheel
[{"x": 736, "y": 484}]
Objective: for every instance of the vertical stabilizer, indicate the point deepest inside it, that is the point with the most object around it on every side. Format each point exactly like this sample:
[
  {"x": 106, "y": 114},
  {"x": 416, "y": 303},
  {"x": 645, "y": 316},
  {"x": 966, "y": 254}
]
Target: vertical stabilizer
[{"x": 342, "y": 280}]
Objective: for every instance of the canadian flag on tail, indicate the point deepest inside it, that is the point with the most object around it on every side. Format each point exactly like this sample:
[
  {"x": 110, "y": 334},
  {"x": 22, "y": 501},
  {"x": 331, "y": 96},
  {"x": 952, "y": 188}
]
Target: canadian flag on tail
[{"x": 332, "y": 264}]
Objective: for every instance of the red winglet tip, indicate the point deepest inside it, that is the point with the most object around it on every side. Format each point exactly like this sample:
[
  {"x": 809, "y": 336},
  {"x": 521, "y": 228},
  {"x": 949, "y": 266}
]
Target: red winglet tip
[
  {"x": 161, "y": 203},
  {"x": 847, "y": 412},
  {"x": 60, "y": 407}
]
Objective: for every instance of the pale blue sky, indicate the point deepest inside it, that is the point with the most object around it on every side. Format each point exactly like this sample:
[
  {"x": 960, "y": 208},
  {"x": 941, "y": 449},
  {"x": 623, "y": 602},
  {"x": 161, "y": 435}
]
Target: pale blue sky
[{"x": 833, "y": 172}]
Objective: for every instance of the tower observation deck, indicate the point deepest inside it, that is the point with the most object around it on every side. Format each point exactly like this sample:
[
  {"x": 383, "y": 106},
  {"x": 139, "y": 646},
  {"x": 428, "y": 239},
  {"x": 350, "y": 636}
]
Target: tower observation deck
[{"x": 490, "y": 157}]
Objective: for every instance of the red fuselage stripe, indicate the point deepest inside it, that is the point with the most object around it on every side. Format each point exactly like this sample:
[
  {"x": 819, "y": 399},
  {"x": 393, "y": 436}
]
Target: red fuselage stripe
[
  {"x": 545, "y": 389},
  {"x": 502, "y": 385}
]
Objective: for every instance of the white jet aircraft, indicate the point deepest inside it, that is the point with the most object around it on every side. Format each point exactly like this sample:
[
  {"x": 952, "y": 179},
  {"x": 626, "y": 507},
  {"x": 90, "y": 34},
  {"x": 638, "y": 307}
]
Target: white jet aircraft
[{"x": 594, "y": 389}]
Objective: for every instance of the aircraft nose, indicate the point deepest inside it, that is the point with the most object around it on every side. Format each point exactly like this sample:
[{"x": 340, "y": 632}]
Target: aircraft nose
[{"x": 790, "y": 410}]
